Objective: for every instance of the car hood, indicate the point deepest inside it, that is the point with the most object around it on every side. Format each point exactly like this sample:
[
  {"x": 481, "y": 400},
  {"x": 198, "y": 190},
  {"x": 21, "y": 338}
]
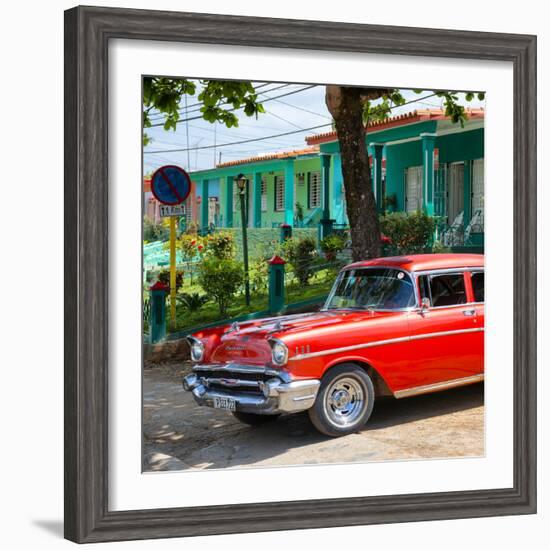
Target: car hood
[
  {"x": 249, "y": 342},
  {"x": 292, "y": 323}
]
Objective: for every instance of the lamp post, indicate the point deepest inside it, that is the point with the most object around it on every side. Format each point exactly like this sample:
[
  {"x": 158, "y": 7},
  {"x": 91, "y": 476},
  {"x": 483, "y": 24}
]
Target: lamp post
[{"x": 241, "y": 181}]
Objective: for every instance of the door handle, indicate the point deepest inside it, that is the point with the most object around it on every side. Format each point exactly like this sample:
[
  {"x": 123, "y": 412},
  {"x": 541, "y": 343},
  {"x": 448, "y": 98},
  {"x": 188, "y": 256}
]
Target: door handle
[{"x": 469, "y": 312}]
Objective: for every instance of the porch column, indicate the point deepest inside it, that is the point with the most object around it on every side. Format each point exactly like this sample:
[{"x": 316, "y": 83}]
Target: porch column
[
  {"x": 377, "y": 173},
  {"x": 257, "y": 199},
  {"x": 428, "y": 142},
  {"x": 228, "y": 207},
  {"x": 326, "y": 221},
  {"x": 204, "y": 204},
  {"x": 289, "y": 192},
  {"x": 467, "y": 192}
]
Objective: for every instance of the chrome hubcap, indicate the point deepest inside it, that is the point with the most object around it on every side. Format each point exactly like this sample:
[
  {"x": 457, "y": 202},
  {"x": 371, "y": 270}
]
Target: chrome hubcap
[{"x": 344, "y": 401}]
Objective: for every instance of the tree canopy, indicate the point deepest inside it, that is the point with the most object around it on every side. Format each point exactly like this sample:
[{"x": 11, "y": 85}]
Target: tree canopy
[
  {"x": 352, "y": 108},
  {"x": 391, "y": 98},
  {"x": 165, "y": 94}
]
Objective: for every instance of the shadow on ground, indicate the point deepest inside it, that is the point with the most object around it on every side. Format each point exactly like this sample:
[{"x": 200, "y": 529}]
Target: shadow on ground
[{"x": 180, "y": 435}]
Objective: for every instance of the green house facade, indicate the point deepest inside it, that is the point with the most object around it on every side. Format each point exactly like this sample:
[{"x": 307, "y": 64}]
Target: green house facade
[{"x": 419, "y": 161}]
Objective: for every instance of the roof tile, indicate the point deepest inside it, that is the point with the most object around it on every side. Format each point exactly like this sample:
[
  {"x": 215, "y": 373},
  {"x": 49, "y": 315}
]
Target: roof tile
[
  {"x": 270, "y": 156},
  {"x": 418, "y": 115}
]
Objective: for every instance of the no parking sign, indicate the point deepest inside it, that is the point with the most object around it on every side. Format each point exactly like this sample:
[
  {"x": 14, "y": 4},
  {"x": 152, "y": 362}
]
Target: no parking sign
[{"x": 170, "y": 185}]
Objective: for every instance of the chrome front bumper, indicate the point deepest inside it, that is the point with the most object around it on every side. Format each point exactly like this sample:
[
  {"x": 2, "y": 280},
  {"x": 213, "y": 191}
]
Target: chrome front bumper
[{"x": 273, "y": 395}]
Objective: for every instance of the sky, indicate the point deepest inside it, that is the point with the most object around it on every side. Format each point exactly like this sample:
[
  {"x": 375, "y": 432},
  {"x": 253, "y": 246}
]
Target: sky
[{"x": 289, "y": 108}]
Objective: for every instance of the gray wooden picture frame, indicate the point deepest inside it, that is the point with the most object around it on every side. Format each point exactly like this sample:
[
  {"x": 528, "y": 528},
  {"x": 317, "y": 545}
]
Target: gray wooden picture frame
[{"x": 87, "y": 34}]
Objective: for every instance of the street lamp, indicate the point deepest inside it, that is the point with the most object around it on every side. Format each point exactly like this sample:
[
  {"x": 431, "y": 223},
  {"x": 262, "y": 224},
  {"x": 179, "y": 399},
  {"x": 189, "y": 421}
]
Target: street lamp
[{"x": 241, "y": 182}]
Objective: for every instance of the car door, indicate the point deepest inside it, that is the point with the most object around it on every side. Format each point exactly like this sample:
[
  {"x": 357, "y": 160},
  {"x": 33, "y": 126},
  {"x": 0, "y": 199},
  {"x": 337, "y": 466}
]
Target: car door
[
  {"x": 445, "y": 336},
  {"x": 477, "y": 281}
]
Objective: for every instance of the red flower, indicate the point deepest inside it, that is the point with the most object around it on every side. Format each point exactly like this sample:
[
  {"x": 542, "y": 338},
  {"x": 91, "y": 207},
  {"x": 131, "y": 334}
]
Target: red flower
[
  {"x": 384, "y": 239},
  {"x": 200, "y": 247},
  {"x": 193, "y": 242}
]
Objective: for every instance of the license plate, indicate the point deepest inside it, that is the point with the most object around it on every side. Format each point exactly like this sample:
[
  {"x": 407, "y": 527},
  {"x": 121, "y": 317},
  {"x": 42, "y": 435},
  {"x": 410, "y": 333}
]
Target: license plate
[{"x": 225, "y": 403}]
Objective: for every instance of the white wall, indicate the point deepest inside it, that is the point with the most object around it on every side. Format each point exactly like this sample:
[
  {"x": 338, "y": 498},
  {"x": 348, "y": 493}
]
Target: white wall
[{"x": 31, "y": 363}]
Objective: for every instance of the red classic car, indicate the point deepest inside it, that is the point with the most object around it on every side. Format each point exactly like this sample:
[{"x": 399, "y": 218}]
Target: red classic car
[{"x": 396, "y": 327}]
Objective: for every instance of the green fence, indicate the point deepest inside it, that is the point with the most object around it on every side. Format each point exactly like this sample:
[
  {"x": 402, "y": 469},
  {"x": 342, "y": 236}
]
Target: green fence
[
  {"x": 263, "y": 241},
  {"x": 299, "y": 296}
]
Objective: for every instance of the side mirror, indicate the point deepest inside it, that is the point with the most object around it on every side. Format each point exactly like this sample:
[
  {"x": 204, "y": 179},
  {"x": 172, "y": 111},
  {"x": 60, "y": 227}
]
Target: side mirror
[{"x": 424, "y": 305}]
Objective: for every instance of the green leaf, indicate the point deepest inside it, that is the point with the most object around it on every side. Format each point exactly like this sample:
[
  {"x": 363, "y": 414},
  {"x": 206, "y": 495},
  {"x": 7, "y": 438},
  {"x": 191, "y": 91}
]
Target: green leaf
[{"x": 165, "y": 95}]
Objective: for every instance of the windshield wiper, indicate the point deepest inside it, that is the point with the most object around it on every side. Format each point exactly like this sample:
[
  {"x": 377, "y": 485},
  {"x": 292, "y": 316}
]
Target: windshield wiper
[{"x": 352, "y": 308}]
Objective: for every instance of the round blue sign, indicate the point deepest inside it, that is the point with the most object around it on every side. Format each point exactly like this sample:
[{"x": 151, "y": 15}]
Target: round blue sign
[{"x": 170, "y": 184}]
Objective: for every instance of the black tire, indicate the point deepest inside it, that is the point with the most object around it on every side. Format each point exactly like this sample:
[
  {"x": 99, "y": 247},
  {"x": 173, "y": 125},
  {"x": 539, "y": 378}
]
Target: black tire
[
  {"x": 331, "y": 414},
  {"x": 255, "y": 419}
]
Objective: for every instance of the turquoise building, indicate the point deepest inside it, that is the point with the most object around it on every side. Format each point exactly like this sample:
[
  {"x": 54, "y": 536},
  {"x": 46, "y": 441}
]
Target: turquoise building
[{"x": 419, "y": 161}]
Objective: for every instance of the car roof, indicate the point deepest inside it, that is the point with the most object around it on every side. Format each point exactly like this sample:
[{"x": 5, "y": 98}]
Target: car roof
[{"x": 424, "y": 262}]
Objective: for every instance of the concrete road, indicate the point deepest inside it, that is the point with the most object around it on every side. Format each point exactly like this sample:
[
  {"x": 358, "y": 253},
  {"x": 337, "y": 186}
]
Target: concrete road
[{"x": 178, "y": 434}]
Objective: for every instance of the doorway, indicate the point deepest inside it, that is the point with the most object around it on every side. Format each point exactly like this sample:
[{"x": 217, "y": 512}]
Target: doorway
[
  {"x": 455, "y": 190},
  {"x": 413, "y": 189}
]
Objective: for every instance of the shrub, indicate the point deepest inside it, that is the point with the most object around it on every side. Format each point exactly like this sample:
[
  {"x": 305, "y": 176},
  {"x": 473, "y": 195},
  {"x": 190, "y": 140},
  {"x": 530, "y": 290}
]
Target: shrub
[
  {"x": 300, "y": 255},
  {"x": 154, "y": 231},
  {"x": 220, "y": 279},
  {"x": 220, "y": 245},
  {"x": 192, "y": 228},
  {"x": 164, "y": 277},
  {"x": 439, "y": 248},
  {"x": 192, "y": 302},
  {"x": 408, "y": 233},
  {"x": 189, "y": 246},
  {"x": 259, "y": 274},
  {"x": 389, "y": 202},
  {"x": 331, "y": 245}
]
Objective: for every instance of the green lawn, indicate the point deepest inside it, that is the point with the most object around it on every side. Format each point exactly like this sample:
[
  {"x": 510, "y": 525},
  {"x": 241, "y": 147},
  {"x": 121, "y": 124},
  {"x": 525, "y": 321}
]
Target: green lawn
[{"x": 319, "y": 286}]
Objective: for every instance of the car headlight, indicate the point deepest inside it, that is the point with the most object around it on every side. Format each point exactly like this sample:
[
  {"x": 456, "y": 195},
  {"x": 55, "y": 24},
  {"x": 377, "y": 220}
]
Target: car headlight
[
  {"x": 197, "y": 349},
  {"x": 279, "y": 352}
]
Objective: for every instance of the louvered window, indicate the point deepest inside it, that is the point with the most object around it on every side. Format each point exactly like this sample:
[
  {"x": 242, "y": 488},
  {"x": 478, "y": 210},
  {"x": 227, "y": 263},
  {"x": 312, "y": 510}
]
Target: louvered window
[
  {"x": 264, "y": 194},
  {"x": 314, "y": 190},
  {"x": 279, "y": 193}
]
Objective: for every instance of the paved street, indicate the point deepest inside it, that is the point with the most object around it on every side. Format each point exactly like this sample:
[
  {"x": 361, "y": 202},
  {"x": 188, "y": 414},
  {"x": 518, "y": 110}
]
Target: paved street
[{"x": 180, "y": 435}]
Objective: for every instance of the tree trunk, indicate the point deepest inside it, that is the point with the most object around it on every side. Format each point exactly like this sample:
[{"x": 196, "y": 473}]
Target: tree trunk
[{"x": 346, "y": 106}]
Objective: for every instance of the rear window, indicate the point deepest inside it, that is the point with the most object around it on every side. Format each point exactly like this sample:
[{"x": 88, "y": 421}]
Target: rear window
[{"x": 478, "y": 285}]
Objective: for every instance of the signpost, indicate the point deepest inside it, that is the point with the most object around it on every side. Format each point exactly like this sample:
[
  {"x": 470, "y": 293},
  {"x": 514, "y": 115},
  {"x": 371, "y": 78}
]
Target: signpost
[
  {"x": 167, "y": 210},
  {"x": 171, "y": 185}
]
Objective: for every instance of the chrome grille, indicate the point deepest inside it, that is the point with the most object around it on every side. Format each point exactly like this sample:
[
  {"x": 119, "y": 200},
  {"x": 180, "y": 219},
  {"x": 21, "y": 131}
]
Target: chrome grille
[{"x": 236, "y": 378}]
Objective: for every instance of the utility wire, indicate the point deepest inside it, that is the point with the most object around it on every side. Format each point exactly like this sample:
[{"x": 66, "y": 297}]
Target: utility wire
[
  {"x": 273, "y": 135},
  {"x": 223, "y": 103},
  {"x": 233, "y": 109},
  {"x": 301, "y": 109},
  {"x": 240, "y": 142},
  {"x": 157, "y": 116},
  {"x": 281, "y": 118}
]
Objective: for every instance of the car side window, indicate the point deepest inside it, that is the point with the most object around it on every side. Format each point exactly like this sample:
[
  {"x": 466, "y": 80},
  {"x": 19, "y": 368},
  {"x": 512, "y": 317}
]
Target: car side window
[
  {"x": 478, "y": 285},
  {"x": 447, "y": 289},
  {"x": 424, "y": 286}
]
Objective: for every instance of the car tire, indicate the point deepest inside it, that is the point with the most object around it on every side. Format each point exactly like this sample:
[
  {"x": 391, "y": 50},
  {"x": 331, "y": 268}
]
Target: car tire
[
  {"x": 255, "y": 419},
  {"x": 344, "y": 402}
]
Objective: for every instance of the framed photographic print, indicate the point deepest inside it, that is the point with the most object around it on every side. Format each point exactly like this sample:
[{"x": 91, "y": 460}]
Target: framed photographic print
[{"x": 283, "y": 242}]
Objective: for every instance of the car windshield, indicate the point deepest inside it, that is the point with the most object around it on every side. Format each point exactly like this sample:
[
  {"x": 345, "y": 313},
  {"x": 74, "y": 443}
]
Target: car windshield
[{"x": 372, "y": 288}]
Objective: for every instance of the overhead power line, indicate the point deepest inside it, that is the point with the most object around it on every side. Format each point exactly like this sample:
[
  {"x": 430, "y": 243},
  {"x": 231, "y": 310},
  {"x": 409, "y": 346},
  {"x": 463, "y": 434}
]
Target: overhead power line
[
  {"x": 301, "y": 108},
  {"x": 263, "y": 138},
  {"x": 233, "y": 109},
  {"x": 282, "y": 118},
  {"x": 181, "y": 110},
  {"x": 239, "y": 142}
]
